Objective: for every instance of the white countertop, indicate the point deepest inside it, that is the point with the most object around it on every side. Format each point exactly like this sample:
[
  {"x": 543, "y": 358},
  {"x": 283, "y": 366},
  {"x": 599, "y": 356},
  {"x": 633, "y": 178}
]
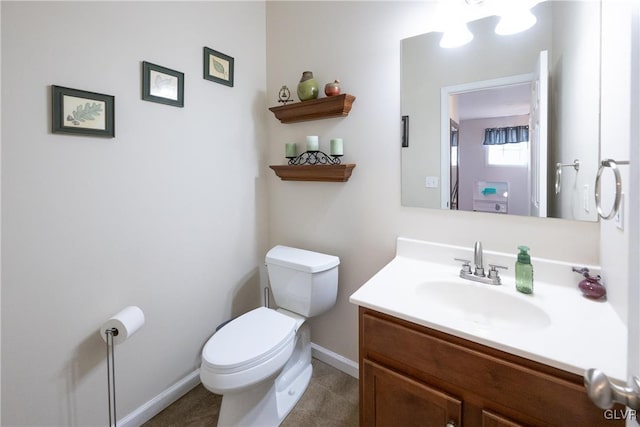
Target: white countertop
[{"x": 579, "y": 333}]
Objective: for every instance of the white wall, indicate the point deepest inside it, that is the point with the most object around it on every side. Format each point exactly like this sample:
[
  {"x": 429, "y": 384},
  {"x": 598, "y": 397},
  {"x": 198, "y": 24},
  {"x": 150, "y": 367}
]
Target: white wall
[
  {"x": 615, "y": 144},
  {"x": 170, "y": 215},
  {"x": 359, "y": 42}
]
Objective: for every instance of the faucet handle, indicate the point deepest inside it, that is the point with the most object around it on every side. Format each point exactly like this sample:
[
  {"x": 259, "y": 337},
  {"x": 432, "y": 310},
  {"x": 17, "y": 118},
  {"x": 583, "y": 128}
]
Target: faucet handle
[
  {"x": 493, "y": 270},
  {"x": 466, "y": 265},
  {"x": 581, "y": 270}
]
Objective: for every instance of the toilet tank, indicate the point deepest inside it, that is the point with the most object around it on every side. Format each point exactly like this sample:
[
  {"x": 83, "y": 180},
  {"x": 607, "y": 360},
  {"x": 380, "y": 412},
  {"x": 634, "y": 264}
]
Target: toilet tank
[{"x": 302, "y": 281}]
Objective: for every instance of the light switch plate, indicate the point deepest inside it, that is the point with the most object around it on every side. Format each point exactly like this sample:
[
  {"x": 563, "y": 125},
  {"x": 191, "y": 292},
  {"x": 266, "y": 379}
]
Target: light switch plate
[{"x": 431, "y": 182}]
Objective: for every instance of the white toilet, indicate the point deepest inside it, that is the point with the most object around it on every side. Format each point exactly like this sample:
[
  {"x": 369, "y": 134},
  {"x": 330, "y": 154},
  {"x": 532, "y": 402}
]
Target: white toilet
[{"x": 260, "y": 362}]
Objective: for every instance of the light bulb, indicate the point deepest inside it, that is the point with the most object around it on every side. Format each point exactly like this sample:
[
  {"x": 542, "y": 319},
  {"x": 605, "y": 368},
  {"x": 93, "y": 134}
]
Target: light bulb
[
  {"x": 458, "y": 36},
  {"x": 515, "y": 21}
]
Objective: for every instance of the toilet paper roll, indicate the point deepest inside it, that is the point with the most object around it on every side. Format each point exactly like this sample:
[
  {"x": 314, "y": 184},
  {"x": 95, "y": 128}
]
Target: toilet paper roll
[{"x": 126, "y": 322}]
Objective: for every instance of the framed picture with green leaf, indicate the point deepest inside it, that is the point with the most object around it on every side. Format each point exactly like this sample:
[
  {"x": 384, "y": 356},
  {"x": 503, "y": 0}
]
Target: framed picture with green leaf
[
  {"x": 218, "y": 67},
  {"x": 82, "y": 113}
]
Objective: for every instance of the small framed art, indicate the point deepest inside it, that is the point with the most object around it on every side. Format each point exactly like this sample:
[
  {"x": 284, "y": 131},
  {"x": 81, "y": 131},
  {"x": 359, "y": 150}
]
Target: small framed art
[
  {"x": 163, "y": 85},
  {"x": 218, "y": 67},
  {"x": 82, "y": 113}
]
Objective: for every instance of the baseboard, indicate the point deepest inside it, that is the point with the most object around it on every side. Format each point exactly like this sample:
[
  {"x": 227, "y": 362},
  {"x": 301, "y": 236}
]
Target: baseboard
[
  {"x": 154, "y": 406},
  {"x": 339, "y": 362}
]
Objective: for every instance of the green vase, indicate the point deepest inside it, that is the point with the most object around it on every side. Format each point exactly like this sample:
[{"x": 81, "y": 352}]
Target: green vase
[{"x": 308, "y": 87}]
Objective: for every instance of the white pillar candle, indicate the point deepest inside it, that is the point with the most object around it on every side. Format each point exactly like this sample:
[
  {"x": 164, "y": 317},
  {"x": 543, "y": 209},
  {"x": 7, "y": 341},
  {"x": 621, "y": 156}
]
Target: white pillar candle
[
  {"x": 336, "y": 147},
  {"x": 291, "y": 150},
  {"x": 312, "y": 143}
]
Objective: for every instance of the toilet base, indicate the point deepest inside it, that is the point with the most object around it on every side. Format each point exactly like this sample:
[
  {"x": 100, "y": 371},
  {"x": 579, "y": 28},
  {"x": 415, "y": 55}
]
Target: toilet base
[
  {"x": 267, "y": 403},
  {"x": 288, "y": 398}
]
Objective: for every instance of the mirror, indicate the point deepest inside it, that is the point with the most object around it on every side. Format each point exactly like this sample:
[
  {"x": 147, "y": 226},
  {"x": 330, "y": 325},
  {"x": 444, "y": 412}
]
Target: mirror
[{"x": 453, "y": 96}]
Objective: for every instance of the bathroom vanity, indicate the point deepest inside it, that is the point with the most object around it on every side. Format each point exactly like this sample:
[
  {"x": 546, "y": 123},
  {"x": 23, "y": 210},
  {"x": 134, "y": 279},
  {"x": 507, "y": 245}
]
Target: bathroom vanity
[
  {"x": 411, "y": 375},
  {"x": 482, "y": 355}
]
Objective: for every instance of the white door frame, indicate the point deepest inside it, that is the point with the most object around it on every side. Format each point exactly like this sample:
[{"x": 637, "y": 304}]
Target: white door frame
[
  {"x": 445, "y": 94},
  {"x": 633, "y": 220}
]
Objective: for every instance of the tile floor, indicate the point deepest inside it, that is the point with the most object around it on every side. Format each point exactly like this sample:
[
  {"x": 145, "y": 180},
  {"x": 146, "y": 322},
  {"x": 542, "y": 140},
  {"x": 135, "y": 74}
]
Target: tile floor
[{"x": 331, "y": 400}]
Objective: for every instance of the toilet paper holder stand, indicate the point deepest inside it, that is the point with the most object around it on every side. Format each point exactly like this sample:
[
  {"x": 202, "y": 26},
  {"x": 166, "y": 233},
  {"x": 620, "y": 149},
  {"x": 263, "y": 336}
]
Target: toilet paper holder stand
[
  {"x": 114, "y": 331},
  {"x": 111, "y": 375}
]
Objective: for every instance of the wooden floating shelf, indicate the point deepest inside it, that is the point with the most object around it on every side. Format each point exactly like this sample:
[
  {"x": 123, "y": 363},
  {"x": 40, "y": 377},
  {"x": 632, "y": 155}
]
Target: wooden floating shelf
[
  {"x": 328, "y": 173},
  {"x": 323, "y": 108}
]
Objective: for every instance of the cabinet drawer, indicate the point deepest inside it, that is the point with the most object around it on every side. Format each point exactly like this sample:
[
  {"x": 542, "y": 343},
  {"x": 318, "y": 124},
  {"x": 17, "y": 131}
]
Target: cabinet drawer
[
  {"x": 394, "y": 400},
  {"x": 538, "y": 394}
]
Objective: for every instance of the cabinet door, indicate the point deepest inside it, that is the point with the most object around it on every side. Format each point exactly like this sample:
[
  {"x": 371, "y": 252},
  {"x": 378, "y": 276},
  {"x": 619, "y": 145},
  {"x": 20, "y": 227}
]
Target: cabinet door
[
  {"x": 489, "y": 419},
  {"x": 392, "y": 399}
]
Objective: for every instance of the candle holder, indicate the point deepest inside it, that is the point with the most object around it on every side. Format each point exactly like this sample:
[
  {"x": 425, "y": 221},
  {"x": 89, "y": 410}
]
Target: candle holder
[
  {"x": 315, "y": 158},
  {"x": 284, "y": 95}
]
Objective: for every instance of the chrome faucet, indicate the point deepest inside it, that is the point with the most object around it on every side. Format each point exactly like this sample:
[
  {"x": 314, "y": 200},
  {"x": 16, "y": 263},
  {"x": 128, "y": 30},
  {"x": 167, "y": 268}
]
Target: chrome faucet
[
  {"x": 478, "y": 274},
  {"x": 477, "y": 259}
]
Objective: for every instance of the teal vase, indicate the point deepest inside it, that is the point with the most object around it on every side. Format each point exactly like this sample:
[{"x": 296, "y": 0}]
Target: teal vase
[{"x": 308, "y": 87}]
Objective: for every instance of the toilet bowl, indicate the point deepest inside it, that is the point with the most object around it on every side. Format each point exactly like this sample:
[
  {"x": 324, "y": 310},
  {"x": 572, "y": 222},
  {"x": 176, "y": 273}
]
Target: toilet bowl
[{"x": 260, "y": 362}]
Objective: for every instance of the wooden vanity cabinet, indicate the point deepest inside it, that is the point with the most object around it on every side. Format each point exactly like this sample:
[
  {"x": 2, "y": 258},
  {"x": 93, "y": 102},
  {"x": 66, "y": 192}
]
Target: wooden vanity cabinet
[{"x": 411, "y": 375}]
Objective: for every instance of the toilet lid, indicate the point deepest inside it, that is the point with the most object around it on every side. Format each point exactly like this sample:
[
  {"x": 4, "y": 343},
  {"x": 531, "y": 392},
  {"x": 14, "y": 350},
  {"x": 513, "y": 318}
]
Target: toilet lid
[
  {"x": 248, "y": 340},
  {"x": 301, "y": 259}
]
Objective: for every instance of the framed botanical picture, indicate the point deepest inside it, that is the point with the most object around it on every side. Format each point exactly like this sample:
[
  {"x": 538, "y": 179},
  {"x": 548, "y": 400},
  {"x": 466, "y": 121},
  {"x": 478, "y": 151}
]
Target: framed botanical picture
[
  {"x": 218, "y": 67},
  {"x": 160, "y": 84},
  {"x": 82, "y": 113}
]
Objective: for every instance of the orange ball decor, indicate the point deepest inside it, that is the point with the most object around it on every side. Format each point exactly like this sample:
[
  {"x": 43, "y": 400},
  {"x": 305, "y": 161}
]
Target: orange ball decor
[{"x": 332, "y": 89}]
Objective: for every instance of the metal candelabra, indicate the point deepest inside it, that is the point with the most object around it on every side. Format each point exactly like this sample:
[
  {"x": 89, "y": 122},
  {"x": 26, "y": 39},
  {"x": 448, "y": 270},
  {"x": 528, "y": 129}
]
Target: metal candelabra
[{"x": 315, "y": 158}]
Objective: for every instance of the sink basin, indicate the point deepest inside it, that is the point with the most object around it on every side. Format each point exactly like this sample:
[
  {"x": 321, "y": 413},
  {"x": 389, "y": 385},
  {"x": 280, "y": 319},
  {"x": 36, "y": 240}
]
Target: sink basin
[{"x": 482, "y": 305}]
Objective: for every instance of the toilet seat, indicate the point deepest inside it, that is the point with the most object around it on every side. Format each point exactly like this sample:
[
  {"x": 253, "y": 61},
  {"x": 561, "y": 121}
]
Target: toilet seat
[{"x": 248, "y": 341}]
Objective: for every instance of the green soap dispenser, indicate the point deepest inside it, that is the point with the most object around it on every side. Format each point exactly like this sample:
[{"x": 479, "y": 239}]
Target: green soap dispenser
[{"x": 524, "y": 271}]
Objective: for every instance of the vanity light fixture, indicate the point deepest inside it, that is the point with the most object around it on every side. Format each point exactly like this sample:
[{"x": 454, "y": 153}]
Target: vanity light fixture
[
  {"x": 457, "y": 33},
  {"x": 515, "y": 19},
  {"x": 457, "y": 36}
]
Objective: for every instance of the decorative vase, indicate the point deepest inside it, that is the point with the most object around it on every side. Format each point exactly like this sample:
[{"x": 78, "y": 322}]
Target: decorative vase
[
  {"x": 592, "y": 288},
  {"x": 332, "y": 89},
  {"x": 308, "y": 87}
]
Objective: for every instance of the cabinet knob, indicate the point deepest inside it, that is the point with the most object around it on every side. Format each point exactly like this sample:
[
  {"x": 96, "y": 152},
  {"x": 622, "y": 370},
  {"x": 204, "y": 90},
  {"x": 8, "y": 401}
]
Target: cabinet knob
[{"x": 451, "y": 423}]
